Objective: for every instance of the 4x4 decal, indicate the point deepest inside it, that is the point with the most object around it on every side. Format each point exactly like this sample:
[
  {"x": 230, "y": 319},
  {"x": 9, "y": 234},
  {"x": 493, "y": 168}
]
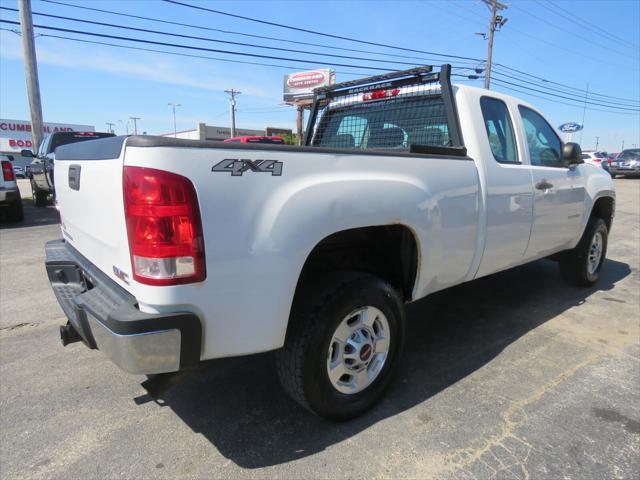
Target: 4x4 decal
[{"x": 237, "y": 166}]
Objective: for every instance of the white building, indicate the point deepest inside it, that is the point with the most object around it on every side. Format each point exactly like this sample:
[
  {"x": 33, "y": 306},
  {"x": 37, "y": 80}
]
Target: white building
[
  {"x": 211, "y": 132},
  {"x": 15, "y": 135}
]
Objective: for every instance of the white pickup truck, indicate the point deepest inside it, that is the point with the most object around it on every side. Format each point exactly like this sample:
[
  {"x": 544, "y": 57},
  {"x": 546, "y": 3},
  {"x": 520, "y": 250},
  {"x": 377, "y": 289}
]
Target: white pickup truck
[{"x": 175, "y": 251}]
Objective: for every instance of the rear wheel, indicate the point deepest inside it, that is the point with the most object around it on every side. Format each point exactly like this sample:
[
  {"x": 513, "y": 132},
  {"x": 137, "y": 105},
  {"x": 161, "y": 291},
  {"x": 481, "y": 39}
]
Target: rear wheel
[
  {"x": 343, "y": 345},
  {"x": 15, "y": 213},
  {"x": 581, "y": 266}
]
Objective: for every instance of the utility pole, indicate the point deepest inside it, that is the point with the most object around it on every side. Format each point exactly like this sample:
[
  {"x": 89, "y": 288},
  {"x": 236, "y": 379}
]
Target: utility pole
[
  {"x": 31, "y": 71},
  {"x": 174, "y": 105},
  {"x": 110, "y": 126},
  {"x": 496, "y": 23},
  {"x": 232, "y": 104},
  {"x": 299, "y": 123},
  {"x": 584, "y": 111},
  {"x": 597, "y": 143},
  {"x": 135, "y": 124}
]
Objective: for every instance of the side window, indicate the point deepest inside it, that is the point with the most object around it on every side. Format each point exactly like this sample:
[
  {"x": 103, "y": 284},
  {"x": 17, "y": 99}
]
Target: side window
[
  {"x": 545, "y": 148},
  {"x": 499, "y": 130}
]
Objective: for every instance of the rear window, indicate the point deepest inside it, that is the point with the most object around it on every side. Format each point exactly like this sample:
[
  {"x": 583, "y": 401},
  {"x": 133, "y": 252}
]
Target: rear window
[
  {"x": 65, "y": 138},
  {"x": 392, "y": 121}
]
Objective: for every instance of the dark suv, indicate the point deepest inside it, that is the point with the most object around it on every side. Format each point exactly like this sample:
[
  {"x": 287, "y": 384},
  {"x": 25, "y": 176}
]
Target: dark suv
[{"x": 41, "y": 169}]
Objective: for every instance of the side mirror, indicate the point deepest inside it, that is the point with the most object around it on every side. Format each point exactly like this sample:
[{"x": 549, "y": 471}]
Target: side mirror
[
  {"x": 27, "y": 153},
  {"x": 572, "y": 153}
]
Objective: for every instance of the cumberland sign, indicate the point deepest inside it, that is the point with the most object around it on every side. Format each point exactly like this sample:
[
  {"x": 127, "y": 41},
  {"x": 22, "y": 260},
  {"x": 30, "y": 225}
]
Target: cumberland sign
[
  {"x": 16, "y": 134},
  {"x": 299, "y": 86}
]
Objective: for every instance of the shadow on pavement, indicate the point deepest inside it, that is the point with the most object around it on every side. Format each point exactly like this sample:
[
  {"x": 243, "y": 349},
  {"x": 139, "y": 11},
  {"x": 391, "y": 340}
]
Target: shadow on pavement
[
  {"x": 33, "y": 216},
  {"x": 238, "y": 405}
]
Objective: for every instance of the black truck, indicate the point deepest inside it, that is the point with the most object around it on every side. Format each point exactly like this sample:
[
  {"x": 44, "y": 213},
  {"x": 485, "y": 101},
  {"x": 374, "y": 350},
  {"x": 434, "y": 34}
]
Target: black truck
[{"x": 40, "y": 171}]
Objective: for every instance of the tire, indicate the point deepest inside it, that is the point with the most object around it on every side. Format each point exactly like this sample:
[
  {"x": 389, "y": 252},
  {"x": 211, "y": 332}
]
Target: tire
[
  {"x": 582, "y": 265},
  {"x": 15, "y": 213},
  {"x": 39, "y": 197},
  {"x": 310, "y": 347}
]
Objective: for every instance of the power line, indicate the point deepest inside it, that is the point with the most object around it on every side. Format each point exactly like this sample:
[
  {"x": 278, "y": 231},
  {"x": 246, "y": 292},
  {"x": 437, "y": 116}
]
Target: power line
[
  {"x": 570, "y": 98},
  {"x": 538, "y": 39},
  {"x": 562, "y": 91},
  {"x": 339, "y": 37},
  {"x": 573, "y": 17},
  {"x": 527, "y": 92},
  {"x": 544, "y": 80},
  {"x": 191, "y": 47},
  {"x": 328, "y": 46},
  {"x": 564, "y": 29},
  {"x": 230, "y": 32},
  {"x": 128, "y": 47},
  {"x": 193, "y": 37}
]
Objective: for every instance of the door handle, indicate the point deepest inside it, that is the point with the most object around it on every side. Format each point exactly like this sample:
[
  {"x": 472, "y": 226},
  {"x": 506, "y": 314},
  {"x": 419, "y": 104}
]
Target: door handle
[{"x": 544, "y": 185}]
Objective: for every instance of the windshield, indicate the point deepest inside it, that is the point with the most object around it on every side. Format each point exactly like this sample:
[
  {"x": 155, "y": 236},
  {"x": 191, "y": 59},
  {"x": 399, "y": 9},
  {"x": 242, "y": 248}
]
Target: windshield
[
  {"x": 393, "y": 123},
  {"x": 632, "y": 154}
]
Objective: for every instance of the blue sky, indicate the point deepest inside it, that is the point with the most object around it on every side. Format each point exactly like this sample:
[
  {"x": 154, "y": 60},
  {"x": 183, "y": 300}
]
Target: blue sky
[{"x": 93, "y": 84}]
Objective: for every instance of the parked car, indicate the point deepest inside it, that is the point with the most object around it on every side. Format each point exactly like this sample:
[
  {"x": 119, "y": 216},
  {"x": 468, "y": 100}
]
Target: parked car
[
  {"x": 598, "y": 159},
  {"x": 42, "y": 166},
  {"x": 178, "y": 251},
  {"x": 256, "y": 139},
  {"x": 10, "y": 199},
  {"x": 626, "y": 163},
  {"x": 18, "y": 171}
]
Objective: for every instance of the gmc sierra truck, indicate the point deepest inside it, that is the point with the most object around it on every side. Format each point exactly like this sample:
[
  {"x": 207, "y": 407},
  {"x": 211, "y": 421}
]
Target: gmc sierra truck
[{"x": 174, "y": 252}]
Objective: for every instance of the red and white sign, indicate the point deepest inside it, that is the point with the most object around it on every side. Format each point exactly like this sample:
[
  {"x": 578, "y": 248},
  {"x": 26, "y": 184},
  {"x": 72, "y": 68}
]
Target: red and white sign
[
  {"x": 16, "y": 134},
  {"x": 299, "y": 86}
]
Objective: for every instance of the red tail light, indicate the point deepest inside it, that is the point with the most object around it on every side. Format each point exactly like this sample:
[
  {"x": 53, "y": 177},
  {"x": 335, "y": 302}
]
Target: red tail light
[
  {"x": 7, "y": 171},
  {"x": 163, "y": 227}
]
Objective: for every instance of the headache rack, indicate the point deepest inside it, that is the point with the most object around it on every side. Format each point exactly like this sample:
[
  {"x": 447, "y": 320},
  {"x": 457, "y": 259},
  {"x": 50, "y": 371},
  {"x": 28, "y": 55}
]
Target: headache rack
[{"x": 410, "y": 110}]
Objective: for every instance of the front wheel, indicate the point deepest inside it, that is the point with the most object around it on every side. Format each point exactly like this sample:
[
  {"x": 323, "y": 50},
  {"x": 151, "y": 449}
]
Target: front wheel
[
  {"x": 343, "y": 345},
  {"x": 582, "y": 265},
  {"x": 39, "y": 197}
]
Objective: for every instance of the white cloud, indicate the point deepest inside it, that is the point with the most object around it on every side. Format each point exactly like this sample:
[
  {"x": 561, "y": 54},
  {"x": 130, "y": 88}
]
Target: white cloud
[{"x": 155, "y": 67}]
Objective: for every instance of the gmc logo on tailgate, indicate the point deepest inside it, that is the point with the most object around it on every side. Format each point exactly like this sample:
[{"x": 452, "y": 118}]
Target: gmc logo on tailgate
[{"x": 237, "y": 166}]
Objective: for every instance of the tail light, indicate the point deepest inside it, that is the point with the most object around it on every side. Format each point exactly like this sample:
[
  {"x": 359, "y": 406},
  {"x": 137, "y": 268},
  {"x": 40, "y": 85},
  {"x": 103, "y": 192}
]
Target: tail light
[
  {"x": 163, "y": 227},
  {"x": 7, "y": 171}
]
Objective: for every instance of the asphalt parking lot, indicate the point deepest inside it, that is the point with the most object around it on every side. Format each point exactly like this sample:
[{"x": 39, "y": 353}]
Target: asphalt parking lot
[{"x": 512, "y": 376}]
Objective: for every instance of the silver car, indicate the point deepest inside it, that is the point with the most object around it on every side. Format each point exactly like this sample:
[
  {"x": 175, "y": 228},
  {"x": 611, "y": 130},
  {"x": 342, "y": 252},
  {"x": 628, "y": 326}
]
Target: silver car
[{"x": 626, "y": 163}]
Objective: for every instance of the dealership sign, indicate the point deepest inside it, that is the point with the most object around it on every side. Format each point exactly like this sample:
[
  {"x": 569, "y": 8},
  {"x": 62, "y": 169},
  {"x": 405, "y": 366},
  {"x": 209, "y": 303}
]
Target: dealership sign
[
  {"x": 299, "y": 86},
  {"x": 16, "y": 134},
  {"x": 570, "y": 127}
]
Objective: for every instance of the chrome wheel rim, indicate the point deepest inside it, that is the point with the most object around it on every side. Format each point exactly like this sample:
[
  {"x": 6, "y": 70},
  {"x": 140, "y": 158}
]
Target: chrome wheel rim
[
  {"x": 358, "y": 350},
  {"x": 595, "y": 253}
]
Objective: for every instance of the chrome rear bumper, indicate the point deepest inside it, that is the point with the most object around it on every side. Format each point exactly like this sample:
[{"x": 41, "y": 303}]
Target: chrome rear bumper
[{"x": 106, "y": 317}]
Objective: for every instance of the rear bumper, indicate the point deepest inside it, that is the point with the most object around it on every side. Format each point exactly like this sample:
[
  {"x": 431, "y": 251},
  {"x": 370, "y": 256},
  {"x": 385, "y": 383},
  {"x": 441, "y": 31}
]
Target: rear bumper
[
  {"x": 624, "y": 170},
  {"x": 107, "y": 318},
  {"x": 8, "y": 195}
]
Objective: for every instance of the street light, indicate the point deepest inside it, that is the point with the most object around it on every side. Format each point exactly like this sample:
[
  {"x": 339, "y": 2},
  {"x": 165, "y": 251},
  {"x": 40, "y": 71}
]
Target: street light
[{"x": 174, "y": 105}]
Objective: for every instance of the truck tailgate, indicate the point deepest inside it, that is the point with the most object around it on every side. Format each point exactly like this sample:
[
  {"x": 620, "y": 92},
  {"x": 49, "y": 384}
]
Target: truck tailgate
[{"x": 89, "y": 196}]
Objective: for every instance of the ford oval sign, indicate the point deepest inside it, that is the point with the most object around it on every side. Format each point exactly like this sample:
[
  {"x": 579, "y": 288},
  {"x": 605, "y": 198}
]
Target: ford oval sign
[{"x": 570, "y": 127}]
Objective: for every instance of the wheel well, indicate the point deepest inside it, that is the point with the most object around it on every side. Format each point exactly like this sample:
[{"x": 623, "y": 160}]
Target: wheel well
[
  {"x": 388, "y": 251},
  {"x": 603, "y": 208}
]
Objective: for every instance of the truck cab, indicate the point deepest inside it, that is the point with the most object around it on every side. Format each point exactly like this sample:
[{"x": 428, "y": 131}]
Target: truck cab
[{"x": 41, "y": 168}]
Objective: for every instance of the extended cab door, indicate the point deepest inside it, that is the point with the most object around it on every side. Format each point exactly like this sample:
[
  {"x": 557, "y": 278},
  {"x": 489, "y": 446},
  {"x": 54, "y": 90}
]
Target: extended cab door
[
  {"x": 507, "y": 178},
  {"x": 558, "y": 189}
]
